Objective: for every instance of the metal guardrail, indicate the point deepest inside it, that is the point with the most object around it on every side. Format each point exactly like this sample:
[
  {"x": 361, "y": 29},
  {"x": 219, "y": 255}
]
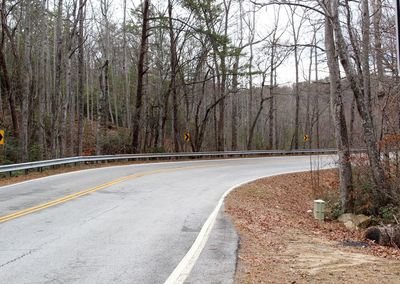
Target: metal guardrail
[{"x": 156, "y": 156}]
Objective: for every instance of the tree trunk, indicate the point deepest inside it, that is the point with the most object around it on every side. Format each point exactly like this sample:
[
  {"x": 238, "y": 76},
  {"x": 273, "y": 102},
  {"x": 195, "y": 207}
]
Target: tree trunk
[
  {"x": 235, "y": 93},
  {"x": 221, "y": 114},
  {"x": 140, "y": 77},
  {"x": 308, "y": 129},
  {"x": 377, "y": 6},
  {"x": 295, "y": 143},
  {"x": 317, "y": 95},
  {"x": 102, "y": 116},
  {"x": 57, "y": 94},
  {"x": 352, "y": 121},
  {"x": 5, "y": 81},
  {"x": 81, "y": 76},
  {"x": 26, "y": 78},
  {"x": 250, "y": 127},
  {"x": 271, "y": 111},
  {"x": 127, "y": 107},
  {"x": 6, "y": 88},
  {"x": 43, "y": 89},
  {"x": 341, "y": 136},
  {"x": 174, "y": 64},
  {"x": 363, "y": 102},
  {"x": 260, "y": 108},
  {"x": 64, "y": 109}
]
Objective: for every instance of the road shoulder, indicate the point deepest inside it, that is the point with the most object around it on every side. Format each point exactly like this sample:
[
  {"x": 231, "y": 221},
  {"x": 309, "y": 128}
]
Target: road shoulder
[
  {"x": 217, "y": 261},
  {"x": 280, "y": 242}
]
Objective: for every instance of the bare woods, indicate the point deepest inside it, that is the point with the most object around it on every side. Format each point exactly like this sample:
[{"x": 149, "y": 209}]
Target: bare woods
[{"x": 81, "y": 77}]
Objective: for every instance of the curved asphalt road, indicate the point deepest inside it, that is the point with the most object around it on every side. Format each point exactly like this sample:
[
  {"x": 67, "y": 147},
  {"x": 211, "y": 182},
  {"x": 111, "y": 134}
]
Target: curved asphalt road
[{"x": 135, "y": 228}]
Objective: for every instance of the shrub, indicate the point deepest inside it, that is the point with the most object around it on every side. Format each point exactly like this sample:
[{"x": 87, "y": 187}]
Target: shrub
[
  {"x": 117, "y": 142},
  {"x": 389, "y": 213}
]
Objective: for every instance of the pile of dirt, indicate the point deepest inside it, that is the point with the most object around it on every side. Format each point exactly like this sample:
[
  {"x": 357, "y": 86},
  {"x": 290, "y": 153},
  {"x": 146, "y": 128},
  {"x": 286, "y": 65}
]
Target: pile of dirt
[{"x": 280, "y": 242}]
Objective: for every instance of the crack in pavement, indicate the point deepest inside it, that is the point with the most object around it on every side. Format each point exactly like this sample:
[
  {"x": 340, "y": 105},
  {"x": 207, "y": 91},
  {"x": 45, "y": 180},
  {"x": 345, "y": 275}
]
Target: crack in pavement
[
  {"x": 29, "y": 252},
  {"x": 17, "y": 258},
  {"x": 99, "y": 214}
]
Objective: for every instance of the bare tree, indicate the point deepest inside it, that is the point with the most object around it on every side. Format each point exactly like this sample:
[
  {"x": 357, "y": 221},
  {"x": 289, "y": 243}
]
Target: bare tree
[
  {"x": 174, "y": 65},
  {"x": 81, "y": 75},
  {"x": 296, "y": 26},
  {"x": 140, "y": 77},
  {"x": 5, "y": 77},
  {"x": 26, "y": 77},
  {"x": 360, "y": 85},
  {"x": 126, "y": 72},
  {"x": 341, "y": 135}
]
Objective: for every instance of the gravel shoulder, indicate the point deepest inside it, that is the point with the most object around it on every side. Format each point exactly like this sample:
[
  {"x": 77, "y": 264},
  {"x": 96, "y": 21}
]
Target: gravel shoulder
[{"x": 280, "y": 242}]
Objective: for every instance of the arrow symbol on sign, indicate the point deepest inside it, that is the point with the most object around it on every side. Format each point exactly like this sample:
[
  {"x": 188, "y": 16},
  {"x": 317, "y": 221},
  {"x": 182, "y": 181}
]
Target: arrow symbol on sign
[
  {"x": 1, "y": 137},
  {"x": 187, "y": 136}
]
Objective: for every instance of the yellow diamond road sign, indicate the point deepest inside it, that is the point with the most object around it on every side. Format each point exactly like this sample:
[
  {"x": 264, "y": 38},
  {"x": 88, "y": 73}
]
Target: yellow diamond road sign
[{"x": 1, "y": 137}]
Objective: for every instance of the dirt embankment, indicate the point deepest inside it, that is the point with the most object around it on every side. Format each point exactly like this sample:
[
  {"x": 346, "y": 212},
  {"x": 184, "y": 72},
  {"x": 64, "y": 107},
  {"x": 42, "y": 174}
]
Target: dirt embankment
[{"x": 280, "y": 242}]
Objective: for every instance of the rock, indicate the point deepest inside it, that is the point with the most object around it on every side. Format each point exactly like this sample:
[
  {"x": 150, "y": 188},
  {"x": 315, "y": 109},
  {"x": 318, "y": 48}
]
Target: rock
[
  {"x": 350, "y": 225},
  {"x": 384, "y": 235},
  {"x": 354, "y": 222},
  {"x": 345, "y": 217},
  {"x": 363, "y": 221}
]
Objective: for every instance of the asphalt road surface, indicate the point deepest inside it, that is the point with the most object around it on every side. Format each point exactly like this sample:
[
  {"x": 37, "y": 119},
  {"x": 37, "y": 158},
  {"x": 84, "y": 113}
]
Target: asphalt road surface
[{"x": 122, "y": 224}]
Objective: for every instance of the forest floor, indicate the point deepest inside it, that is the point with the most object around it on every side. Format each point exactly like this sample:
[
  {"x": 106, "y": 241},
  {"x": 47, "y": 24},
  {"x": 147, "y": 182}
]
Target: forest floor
[{"x": 280, "y": 242}]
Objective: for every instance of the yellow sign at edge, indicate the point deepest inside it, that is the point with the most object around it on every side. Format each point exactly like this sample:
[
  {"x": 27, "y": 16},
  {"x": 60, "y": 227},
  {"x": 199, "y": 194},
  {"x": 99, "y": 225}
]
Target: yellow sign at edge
[
  {"x": 186, "y": 136},
  {"x": 1, "y": 137},
  {"x": 306, "y": 138}
]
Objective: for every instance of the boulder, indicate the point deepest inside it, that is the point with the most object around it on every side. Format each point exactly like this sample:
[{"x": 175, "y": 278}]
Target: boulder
[
  {"x": 363, "y": 221},
  {"x": 350, "y": 225},
  {"x": 354, "y": 222}
]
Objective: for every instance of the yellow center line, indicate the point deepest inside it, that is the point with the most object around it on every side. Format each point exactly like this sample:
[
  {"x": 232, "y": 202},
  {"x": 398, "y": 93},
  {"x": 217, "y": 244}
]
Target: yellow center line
[{"x": 86, "y": 192}]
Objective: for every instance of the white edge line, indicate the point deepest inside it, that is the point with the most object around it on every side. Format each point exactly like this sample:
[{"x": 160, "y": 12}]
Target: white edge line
[
  {"x": 182, "y": 271},
  {"x": 133, "y": 166}
]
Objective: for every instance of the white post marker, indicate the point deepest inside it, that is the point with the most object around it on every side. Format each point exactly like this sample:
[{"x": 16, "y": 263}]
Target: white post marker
[
  {"x": 398, "y": 33},
  {"x": 319, "y": 209}
]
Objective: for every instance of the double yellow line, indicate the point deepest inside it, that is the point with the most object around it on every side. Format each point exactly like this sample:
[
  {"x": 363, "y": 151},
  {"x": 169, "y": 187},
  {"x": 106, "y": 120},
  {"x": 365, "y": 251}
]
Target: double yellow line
[{"x": 85, "y": 192}]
